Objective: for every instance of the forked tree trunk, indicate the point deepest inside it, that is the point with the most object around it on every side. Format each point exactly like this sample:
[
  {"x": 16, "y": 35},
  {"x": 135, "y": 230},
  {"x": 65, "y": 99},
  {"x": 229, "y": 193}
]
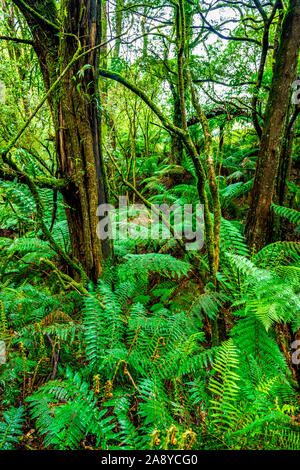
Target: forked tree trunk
[
  {"x": 273, "y": 130},
  {"x": 75, "y": 109}
]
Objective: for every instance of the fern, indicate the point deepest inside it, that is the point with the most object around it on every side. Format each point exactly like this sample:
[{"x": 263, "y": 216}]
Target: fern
[
  {"x": 231, "y": 238},
  {"x": 11, "y": 428},
  {"x": 142, "y": 265},
  {"x": 291, "y": 214},
  {"x": 224, "y": 386},
  {"x": 66, "y": 412},
  {"x": 234, "y": 191}
]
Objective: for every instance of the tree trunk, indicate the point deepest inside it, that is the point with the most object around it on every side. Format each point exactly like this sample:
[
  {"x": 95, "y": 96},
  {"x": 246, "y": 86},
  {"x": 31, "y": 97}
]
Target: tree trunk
[
  {"x": 75, "y": 110},
  {"x": 118, "y": 25},
  {"x": 277, "y": 228},
  {"x": 285, "y": 159},
  {"x": 273, "y": 130},
  {"x": 176, "y": 141}
]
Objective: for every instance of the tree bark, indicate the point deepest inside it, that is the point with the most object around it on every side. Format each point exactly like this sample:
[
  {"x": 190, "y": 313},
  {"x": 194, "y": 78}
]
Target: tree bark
[
  {"x": 285, "y": 158},
  {"x": 176, "y": 142},
  {"x": 75, "y": 110},
  {"x": 273, "y": 130}
]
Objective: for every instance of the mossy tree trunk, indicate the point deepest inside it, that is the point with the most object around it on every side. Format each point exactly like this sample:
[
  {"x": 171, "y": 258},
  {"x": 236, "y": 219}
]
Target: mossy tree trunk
[
  {"x": 75, "y": 110},
  {"x": 176, "y": 142},
  {"x": 258, "y": 221}
]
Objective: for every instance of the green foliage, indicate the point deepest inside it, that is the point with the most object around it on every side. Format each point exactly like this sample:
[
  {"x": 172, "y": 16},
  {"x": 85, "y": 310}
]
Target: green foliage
[
  {"x": 291, "y": 214},
  {"x": 66, "y": 412},
  {"x": 155, "y": 263},
  {"x": 234, "y": 191},
  {"x": 11, "y": 427},
  {"x": 223, "y": 385}
]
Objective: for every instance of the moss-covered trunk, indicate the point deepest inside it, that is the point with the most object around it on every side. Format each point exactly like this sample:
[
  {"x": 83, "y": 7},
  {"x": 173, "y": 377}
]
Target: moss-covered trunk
[
  {"x": 77, "y": 132},
  {"x": 176, "y": 141},
  {"x": 75, "y": 109}
]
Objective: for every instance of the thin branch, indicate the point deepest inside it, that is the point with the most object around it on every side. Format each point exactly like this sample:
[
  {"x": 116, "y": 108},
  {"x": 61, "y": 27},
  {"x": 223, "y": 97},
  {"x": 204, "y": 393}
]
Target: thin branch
[{"x": 17, "y": 40}]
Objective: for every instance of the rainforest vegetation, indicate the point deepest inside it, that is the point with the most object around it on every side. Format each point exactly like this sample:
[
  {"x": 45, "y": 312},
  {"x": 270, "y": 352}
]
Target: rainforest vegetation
[{"x": 140, "y": 342}]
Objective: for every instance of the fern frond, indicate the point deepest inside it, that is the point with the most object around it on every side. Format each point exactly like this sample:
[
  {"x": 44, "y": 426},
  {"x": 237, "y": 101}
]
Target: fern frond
[
  {"x": 11, "y": 427},
  {"x": 224, "y": 386}
]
